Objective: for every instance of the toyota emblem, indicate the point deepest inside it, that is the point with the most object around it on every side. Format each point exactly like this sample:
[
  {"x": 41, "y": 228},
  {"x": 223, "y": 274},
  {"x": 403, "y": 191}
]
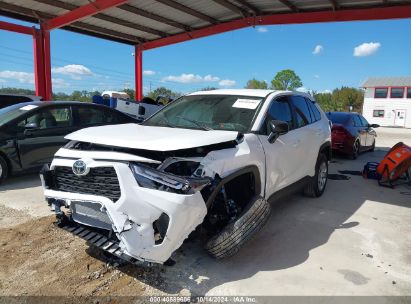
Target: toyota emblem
[{"x": 80, "y": 168}]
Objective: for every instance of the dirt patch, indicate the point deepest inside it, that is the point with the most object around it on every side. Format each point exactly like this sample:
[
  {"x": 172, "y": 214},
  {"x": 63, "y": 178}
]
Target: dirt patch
[{"x": 37, "y": 258}]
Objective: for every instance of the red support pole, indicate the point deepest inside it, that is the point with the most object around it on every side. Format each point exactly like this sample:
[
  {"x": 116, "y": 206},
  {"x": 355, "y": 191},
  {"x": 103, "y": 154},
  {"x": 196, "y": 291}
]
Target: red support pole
[
  {"x": 47, "y": 65},
  {"x": 138, "y": 61},
  {"x": 38, "y": 64},
  {"x": 42, "y": 64}
]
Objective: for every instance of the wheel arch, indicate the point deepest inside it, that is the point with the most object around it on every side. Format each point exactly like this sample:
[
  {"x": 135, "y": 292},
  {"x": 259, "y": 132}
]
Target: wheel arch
[
  {"x": 326, "y": 149},
  {"x": 252, "y": 169}
]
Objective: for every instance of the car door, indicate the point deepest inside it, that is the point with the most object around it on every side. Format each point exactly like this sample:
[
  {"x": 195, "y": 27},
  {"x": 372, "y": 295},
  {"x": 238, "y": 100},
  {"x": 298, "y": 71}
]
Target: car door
[
  {"x": 369, "y": 132},
  {"x": 283, "y": 158},
  {"x": 48, "y": 126},
  {"x": 361, "y": 131},
  {"x": 311, "y": 135}
]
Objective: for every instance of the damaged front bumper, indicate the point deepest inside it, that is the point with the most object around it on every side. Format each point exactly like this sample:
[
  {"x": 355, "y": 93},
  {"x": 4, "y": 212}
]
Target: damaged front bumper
[{"x": 130, "y": 201}]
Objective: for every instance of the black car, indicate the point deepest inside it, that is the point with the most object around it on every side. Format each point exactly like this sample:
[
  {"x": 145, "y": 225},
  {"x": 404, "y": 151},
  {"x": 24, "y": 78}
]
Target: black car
[
  {"x": 31, "y": 132},
  {"x": 11, "y": 99}
]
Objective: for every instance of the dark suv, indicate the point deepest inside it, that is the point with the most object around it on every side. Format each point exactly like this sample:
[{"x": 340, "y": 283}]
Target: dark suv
[{"x": 31, "y": 132}]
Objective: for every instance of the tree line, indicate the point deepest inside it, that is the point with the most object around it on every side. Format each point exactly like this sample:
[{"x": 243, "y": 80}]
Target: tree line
[{"x": 340, "y": 99}]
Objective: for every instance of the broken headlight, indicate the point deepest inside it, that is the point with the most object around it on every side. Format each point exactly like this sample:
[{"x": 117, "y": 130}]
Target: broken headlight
[{"x": 148, "y": 177}]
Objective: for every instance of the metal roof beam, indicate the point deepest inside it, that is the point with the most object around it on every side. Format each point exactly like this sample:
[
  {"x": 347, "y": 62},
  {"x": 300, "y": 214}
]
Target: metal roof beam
[
  {"x": 388, "y": 12},
  {"x": 248, "y": 6},
  {"x": 105, "y": 17},
  {"x": 81, "y": 12},
  {"x": 188, "y": 10},
  {"x": 232, "y": 7},
  {"x": 76, "y": 27},
  {"x": 290, "y": 5},
  {"x": 16, "y": 28},
  {"x": 158, "y": 18}
]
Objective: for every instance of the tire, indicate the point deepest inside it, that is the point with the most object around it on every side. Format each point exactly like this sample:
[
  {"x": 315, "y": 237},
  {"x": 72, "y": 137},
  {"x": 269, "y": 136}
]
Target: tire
[
  {"x": 233, "y": 236},
  {"x": 373, "y": 146},
  {"x": 355, "y": 150},
  {"x": 4, "y": 169},
  {"x": 316, "y": 187}
]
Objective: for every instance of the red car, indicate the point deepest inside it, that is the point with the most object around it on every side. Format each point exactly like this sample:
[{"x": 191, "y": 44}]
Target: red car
[{"x": 351, "y": 133}]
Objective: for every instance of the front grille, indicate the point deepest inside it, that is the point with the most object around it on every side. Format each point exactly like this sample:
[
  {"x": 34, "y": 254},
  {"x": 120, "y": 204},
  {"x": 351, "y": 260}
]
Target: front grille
[{"x": 100, "y": 181}]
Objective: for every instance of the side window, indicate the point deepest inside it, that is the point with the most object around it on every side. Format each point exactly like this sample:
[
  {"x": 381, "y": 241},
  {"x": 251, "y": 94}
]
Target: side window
[
  {"x": 302, "y": 111},
  {"x": 280, "y": 110},
  {"x": 111, "y": 117},
  {"x": 364, "y": 122},
  {"x": 356, "y": 121},
  {"x": 49, "y": 118},
  {"x": 88, "y": 116},
  {"x": 314, "y": 110}
]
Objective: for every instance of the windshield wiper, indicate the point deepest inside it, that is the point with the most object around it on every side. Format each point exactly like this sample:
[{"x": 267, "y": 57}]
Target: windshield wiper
[{"x": 196, "y": 123}]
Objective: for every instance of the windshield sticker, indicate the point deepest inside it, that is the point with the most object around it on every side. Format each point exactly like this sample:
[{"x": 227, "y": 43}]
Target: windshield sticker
[
  {"x": 28, "y": 107},
  {"x": 247, "y": 103}
]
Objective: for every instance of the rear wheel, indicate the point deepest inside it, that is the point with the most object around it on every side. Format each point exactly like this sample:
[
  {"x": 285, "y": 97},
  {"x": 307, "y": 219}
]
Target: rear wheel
[
  {"x": 4, "y": 169},
  {"x": 316, "y": 186},
  {"x": 373, "y": 146},
  {"x": 233, "y": 236},
  {"x": 355, "y": 150}
]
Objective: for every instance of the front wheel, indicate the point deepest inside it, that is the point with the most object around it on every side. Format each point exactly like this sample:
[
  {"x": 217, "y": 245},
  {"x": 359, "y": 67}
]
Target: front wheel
[
  {"x": 316, "y": 186},
  {"x": 233, "y": 236},
  {"x": 3, "y": 169}
]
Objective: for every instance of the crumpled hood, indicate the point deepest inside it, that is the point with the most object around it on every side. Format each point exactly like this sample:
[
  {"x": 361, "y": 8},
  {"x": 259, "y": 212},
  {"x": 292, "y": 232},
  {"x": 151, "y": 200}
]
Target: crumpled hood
[{"x": 151, "y": 138}]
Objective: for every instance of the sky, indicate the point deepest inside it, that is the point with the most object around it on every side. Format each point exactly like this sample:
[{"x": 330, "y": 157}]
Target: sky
[{"x": 325, "y": 56}]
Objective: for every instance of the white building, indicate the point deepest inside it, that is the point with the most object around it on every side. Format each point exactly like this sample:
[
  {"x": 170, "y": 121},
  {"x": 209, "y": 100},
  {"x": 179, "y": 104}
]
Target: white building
[{"x": 387, "y": 101}]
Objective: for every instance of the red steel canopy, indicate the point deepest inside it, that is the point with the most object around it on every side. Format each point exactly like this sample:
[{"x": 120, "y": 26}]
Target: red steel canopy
[{"x": 149, "y": 24}]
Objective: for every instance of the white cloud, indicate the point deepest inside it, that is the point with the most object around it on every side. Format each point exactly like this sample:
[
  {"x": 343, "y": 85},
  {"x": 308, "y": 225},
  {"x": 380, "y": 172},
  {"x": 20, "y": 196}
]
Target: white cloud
[
  {"x": 366, "y": 49},
  {"x": 75, "y": 71},
  {"x": 149, "y": 73},
  {"x": 326, "y": 92},
  {"x": 317, "y": 76},
  {"x": 2, "y": 80},
  {"x": 227, "y": 83},
  {"x": 191, "y": 78},
  {"x": 22, "y": 77},
  {"x": 318, "y": 49},
  {"x": 262, "y": 29},
  {"x": 59, "y": 83},
  {"x": 302, "y": 89}
]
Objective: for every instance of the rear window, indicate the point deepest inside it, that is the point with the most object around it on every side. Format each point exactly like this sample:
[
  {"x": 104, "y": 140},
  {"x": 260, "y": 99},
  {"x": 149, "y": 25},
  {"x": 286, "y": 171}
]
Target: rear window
[{"x": 339, "y": 118}]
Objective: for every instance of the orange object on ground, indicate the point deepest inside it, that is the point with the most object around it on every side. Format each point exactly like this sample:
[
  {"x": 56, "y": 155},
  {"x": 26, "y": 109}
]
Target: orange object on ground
[{"x": 395, "y": 163}]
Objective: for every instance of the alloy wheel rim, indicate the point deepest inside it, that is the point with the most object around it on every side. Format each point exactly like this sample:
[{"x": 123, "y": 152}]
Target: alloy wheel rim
[
  {"x": 1, "y": 171},
  {"x": 356, "y": 148},
  {"x": 322, "y": 176}
]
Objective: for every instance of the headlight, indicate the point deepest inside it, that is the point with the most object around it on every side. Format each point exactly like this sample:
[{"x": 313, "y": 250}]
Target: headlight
[{"x": 154, "y": 179}]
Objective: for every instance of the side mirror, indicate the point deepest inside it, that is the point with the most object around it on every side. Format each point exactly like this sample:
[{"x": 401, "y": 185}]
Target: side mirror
[
  {"x": 277, "y": 128},
  {"x": 28, "y": 128},
  {"x": 31, "y": 126},
  {"x": 374, "y": 126},
  {"x": 141, "y": 110}
]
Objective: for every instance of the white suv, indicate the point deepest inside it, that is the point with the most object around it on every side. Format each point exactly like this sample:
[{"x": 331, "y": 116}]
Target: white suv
[{"x": 211, "y": 160}]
